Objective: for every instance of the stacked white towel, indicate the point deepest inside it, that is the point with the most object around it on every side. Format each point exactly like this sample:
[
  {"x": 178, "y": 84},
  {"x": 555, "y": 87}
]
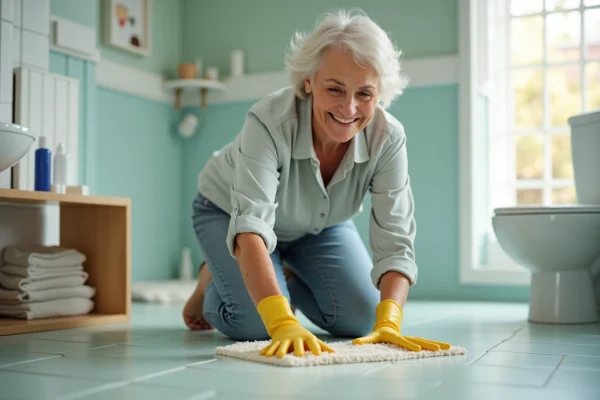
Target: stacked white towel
[{"x": 44, "y": 281}]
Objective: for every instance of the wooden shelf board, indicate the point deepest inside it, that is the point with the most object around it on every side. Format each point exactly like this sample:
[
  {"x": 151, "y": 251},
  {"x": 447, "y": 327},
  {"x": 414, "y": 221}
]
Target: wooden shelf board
[
  {"x": 11, "y": 326},
  {"x": 194, "y": 84},
  {"x": 35, "y": 197}
]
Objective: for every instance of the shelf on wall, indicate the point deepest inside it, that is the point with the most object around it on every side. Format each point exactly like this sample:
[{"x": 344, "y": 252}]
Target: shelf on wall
[{"x": 203, "y": 84}]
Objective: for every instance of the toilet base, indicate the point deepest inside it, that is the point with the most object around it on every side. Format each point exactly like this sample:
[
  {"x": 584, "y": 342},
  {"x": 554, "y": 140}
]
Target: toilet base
[{"x": 565, "y": 297}]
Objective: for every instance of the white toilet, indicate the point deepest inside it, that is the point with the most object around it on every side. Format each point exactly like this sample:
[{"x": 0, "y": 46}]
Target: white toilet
[{"x": 559, "y": 244}]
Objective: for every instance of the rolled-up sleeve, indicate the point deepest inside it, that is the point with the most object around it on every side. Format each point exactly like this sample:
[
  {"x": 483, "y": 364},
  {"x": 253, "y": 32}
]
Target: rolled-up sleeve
[
  {"x": 254, "y": 187},
  {"x": 392, "y": 222}
]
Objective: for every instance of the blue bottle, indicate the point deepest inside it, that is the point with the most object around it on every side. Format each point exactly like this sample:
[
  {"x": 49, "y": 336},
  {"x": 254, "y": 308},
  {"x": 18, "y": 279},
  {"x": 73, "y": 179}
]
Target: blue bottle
[{"x": 43, "y": 162}]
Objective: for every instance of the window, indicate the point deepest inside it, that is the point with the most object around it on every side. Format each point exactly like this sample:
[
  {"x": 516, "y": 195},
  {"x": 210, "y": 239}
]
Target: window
[{"x": 527, "y": 66}]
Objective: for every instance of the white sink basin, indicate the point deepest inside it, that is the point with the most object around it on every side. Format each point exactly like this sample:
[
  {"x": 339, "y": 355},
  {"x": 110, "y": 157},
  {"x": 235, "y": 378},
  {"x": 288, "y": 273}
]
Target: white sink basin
[{"x": 15, "y": 142}]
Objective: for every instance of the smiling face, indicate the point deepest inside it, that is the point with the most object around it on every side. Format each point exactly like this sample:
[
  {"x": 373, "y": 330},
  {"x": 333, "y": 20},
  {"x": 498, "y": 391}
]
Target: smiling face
[{"x": 344, "y": 97}]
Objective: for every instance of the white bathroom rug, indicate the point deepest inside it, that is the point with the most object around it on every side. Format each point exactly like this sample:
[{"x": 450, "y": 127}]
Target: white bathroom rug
[{"x": 345, "y": 353}]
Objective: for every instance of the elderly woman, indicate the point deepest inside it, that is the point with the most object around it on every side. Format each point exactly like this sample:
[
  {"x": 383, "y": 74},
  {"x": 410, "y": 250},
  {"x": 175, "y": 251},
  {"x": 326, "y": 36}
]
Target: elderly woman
[{"x": 286, "y": 189}]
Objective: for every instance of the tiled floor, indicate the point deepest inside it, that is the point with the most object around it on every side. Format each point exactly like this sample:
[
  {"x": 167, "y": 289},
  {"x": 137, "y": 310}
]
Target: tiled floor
[{"x": 155, "y": 357}]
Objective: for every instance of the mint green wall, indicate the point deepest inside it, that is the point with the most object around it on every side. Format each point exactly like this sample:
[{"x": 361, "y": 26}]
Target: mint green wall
[
  {"x": 263, "y": 28},
  {"x": 166, "y": 32},
  {"x": 129, "y": 150}
]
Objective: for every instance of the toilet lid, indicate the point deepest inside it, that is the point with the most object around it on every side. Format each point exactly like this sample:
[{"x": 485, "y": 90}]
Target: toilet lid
[{"x": 555, "y": 209}]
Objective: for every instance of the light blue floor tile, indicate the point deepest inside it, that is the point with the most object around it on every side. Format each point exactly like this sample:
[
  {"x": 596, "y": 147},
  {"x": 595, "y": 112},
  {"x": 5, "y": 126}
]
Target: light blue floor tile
[
  {"x": 549, "y": 348},
  {"x": 519, "y": 360},
  {"x": 109, "y": 369},
  {"x": 17, "y": 385},
  {"x": 10, "y": 356},
  {"x": 580, "y": 362},
  {"x": 146, "y": 392},
  {"x": 156, "y": 356}
]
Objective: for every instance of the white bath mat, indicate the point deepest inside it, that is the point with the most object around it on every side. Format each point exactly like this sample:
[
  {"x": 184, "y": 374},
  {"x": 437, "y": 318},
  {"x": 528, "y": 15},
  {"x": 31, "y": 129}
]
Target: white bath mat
[{"x": 345, "y": 353}]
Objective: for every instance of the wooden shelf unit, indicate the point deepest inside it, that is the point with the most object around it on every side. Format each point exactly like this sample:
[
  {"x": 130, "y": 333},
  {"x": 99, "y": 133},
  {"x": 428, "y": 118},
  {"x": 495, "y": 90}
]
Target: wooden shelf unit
[{"x": 100, "y": 228}]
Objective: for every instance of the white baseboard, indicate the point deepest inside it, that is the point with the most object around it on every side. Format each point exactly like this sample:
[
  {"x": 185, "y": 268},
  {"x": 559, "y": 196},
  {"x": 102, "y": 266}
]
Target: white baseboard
[{"x": 431, "y": 71}]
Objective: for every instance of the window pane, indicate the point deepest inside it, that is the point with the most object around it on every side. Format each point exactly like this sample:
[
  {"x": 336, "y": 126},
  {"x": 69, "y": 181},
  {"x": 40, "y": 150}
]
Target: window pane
[
  {"x": 527, "y": 88},
  {"x": 527, "y": 39},
  {"x": 564, "y": 85},
  {"x": 592, "y": 32},
  {"x": 520, "y": 7},
  {"x": 530, "y": 157},
  {"x": 559, "y": 5},
  {"x": 591, "y": 2},
  {"x": 564, "y": 36},
  {"x": 592, "y": 72},
  {"x": 564, "y": 196},
  {"x": 562, "y": 164},
  {"x": 529, "y": 196}
]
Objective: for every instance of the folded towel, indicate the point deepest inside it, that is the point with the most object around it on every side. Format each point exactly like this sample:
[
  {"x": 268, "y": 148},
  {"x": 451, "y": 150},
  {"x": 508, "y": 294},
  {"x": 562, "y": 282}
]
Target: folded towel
[
  {"x": 46, "y": 309},
  {"x": 42, "y": 256},
  {"x": 20, "y": 296},
  {"x": 41, "y": 272},
  {"x": 30, "y": 284}
]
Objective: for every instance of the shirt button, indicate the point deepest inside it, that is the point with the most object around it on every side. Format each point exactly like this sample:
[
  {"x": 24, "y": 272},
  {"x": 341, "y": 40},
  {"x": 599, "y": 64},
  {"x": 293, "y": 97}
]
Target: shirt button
[
  {"x": 322, "y": 215},
  {"x": 316, "y": 230}
]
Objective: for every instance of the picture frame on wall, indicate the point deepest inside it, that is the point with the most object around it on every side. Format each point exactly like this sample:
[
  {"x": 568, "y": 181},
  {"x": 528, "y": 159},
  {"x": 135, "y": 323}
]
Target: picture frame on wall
[{"x": 128, "y": 25}]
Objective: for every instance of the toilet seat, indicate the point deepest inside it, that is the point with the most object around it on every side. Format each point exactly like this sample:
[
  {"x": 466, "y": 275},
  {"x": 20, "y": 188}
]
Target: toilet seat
[{"x": 555, "y": 209}]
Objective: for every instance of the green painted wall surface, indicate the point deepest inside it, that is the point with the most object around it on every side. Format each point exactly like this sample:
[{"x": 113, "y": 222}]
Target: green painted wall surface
[
  {"x": 263, "y": 28},
  {"x": 138, "y": 156},
  {"x": 166, "y": 32},
  {"x": 128, "y": 150}
]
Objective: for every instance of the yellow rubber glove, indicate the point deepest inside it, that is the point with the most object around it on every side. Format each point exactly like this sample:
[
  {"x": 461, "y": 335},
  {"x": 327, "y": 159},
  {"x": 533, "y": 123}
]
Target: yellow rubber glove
[
  {"x": 285, "y": 331},
  {"x": 387, "y": 330}
]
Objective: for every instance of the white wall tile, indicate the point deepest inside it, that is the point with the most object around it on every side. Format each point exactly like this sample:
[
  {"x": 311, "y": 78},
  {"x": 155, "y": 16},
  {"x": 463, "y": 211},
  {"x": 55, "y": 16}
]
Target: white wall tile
[
  {"x": 6, "y": 62},
  {"x": 6, "y": 10},
  {"x": 16, "y": 46},
  {"x": 17, "y": 7},
  {"x": 34, "y": 49},
  {"x": 36, "y": 16}
]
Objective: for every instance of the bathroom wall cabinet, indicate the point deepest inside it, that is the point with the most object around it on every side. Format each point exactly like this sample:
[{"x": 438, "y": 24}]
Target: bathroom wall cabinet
[{"x": 99, "y": 227}]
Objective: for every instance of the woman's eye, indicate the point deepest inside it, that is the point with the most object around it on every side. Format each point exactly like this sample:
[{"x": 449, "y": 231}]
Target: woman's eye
[
  {"x": 334, "y": 90},
  {"x": 365, "y": 94}
]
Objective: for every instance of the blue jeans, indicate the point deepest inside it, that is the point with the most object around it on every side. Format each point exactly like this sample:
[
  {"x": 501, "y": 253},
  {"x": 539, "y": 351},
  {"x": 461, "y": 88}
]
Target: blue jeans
[{"x": 331, "y": 285}]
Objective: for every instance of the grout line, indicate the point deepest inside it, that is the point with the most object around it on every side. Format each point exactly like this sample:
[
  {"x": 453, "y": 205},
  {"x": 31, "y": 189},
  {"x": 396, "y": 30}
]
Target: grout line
[
  {"x": 554, "y": 371},
  {"x": 155, "y": 374},
  {"x": 203, "y": 396},
  {"x": 94, "y": 390}
]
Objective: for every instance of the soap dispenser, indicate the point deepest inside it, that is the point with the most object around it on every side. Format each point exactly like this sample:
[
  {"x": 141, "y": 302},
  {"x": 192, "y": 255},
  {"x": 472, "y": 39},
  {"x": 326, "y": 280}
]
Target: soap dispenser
[
  {"x": 60, "y": 169},
  {"x": 43, "y": 161}
]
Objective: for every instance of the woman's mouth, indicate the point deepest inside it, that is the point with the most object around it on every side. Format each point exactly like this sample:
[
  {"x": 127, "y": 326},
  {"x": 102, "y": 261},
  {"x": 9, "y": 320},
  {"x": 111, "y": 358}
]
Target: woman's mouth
[{"x": 343, "y": 121}]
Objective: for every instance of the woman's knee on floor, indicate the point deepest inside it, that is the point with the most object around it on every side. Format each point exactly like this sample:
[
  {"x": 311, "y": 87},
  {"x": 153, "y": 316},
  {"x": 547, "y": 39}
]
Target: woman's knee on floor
[{"x": 245, "y": 325}]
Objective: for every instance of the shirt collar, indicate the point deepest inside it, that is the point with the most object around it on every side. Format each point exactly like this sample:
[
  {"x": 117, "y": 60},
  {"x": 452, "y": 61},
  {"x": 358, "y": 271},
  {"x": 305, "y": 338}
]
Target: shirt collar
[{"x": 303, "y": 146}]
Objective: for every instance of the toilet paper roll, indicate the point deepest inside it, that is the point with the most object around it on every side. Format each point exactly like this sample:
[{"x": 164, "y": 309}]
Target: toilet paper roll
[{"x": 237, "y": 63}]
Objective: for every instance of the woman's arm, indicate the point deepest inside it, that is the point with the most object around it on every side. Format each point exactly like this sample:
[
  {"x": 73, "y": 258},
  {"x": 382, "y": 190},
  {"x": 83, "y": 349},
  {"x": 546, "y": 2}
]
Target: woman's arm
[
  {"x": 256, "y": 266},
  {"x": 394, "y": 286}
]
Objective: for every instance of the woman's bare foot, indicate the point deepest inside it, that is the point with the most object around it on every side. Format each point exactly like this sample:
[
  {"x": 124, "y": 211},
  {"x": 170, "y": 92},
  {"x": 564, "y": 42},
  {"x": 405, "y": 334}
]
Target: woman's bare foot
[{"x": 192, "y": 311}]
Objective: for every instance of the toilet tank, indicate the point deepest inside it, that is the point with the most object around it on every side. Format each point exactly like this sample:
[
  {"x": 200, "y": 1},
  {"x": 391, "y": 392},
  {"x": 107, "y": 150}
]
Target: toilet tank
[{"x": 585, "y": 150}]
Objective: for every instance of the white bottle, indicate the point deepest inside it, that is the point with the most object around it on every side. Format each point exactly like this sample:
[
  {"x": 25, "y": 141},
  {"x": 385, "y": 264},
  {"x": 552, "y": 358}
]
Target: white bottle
[
  {"x": 61, "y": 163},
  {"x": 186, "y": 266}
]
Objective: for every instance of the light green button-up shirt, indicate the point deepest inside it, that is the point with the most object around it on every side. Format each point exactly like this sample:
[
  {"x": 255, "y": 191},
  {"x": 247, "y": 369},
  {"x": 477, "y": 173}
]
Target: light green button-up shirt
[{"x": 268, "y": 179}]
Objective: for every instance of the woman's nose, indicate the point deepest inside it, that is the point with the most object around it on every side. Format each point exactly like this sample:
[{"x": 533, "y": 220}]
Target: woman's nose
[{"x": 349, "y": 107}]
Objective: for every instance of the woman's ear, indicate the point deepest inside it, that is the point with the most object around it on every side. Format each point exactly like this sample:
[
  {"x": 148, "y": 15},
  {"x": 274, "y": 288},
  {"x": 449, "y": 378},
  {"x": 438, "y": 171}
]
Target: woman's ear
[{"x": 307, "y": 87}]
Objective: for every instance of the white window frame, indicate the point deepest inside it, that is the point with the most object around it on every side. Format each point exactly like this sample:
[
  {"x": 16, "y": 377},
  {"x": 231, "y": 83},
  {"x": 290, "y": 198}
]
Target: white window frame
[
  {"x": 472, "y": 83},
  {"x": 475, "y": 212}
]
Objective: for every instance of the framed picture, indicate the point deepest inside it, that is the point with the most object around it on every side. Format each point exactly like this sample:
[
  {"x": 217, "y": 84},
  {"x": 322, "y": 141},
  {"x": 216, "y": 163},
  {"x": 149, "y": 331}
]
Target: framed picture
[{"x": 128, "y": 25}]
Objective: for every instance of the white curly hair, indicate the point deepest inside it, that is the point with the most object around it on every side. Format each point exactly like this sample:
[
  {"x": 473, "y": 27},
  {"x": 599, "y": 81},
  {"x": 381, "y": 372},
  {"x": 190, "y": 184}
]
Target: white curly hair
[{"x": 352, "y": 31}]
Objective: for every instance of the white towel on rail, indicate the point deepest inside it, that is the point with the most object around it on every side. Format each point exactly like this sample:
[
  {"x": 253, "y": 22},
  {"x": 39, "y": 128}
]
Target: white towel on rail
[
  {"x": 21, "y": 296},
  {"x": 42, "y": 256},
  {"x": 41, "y": 272},
  {"x": 29, "y": 284},
  {"x": 46, "y": 309}
]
